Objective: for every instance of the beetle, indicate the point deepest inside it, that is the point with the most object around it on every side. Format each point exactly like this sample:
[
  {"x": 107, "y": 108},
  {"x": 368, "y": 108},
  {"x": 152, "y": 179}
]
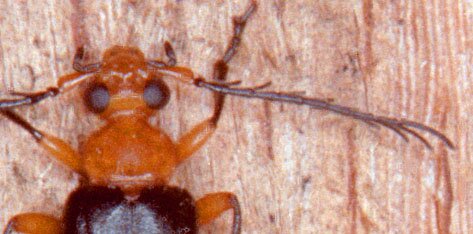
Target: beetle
[
  {"x": 125, "y": 89},
  {"x": 126, "y": 165}
]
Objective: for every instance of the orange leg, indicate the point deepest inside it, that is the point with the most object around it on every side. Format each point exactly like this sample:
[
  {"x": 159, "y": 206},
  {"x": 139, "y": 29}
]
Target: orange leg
[
  {"x": 213, "y": 205},
  {"x": 194, "y": 139},
  {"x": 34, "y": 223},
  {"x": 59, "y": 149},
  {"x": 220, "y": 68}
]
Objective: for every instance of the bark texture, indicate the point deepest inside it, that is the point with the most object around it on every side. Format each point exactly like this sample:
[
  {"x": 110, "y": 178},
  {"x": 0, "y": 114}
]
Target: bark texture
[{"x": 295, "y": 170}]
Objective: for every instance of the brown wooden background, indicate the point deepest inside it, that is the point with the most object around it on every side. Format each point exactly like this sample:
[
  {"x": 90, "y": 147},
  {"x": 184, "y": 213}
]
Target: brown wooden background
[{"x": 295, "y": 170}]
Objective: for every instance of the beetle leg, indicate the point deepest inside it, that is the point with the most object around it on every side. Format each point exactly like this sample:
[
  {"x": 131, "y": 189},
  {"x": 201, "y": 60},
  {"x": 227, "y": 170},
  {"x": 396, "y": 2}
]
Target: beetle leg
[
  {"x": 55, "y": 146},
  {"x": 194, "y": 139},
  {"x": 213, "y": 205},
  {"x": 199, "y": 134},
  {"x": 220, "y": 68},
  {"x": 239, "y": 23},
  {"x": 34, "y": 223}
]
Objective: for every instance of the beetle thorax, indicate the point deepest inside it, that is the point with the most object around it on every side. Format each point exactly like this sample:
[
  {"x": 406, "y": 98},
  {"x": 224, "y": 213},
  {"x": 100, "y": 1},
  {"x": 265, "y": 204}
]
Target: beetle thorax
[{"x": 129, "y": 154}]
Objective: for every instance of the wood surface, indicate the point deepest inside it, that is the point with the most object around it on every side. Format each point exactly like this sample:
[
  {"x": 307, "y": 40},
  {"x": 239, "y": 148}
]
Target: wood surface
[{"x": 295, "y": 170}]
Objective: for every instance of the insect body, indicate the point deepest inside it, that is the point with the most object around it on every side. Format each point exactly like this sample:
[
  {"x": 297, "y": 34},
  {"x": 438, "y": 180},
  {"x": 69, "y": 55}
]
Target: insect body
[{"x": 126, "y": 165}]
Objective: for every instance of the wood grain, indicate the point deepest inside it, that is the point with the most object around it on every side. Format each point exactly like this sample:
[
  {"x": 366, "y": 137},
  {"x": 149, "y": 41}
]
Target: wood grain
[{"x": 295, "y": 170}]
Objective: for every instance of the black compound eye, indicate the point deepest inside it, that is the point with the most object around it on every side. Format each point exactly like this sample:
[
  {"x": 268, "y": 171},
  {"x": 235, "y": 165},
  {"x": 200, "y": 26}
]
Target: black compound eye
[
  {"x": 156, "y": 94},
  {"x": 97, "y": 97}
]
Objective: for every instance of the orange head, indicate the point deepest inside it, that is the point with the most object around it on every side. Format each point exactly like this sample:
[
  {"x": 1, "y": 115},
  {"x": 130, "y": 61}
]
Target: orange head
[{"x": 124, "y": 86}]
